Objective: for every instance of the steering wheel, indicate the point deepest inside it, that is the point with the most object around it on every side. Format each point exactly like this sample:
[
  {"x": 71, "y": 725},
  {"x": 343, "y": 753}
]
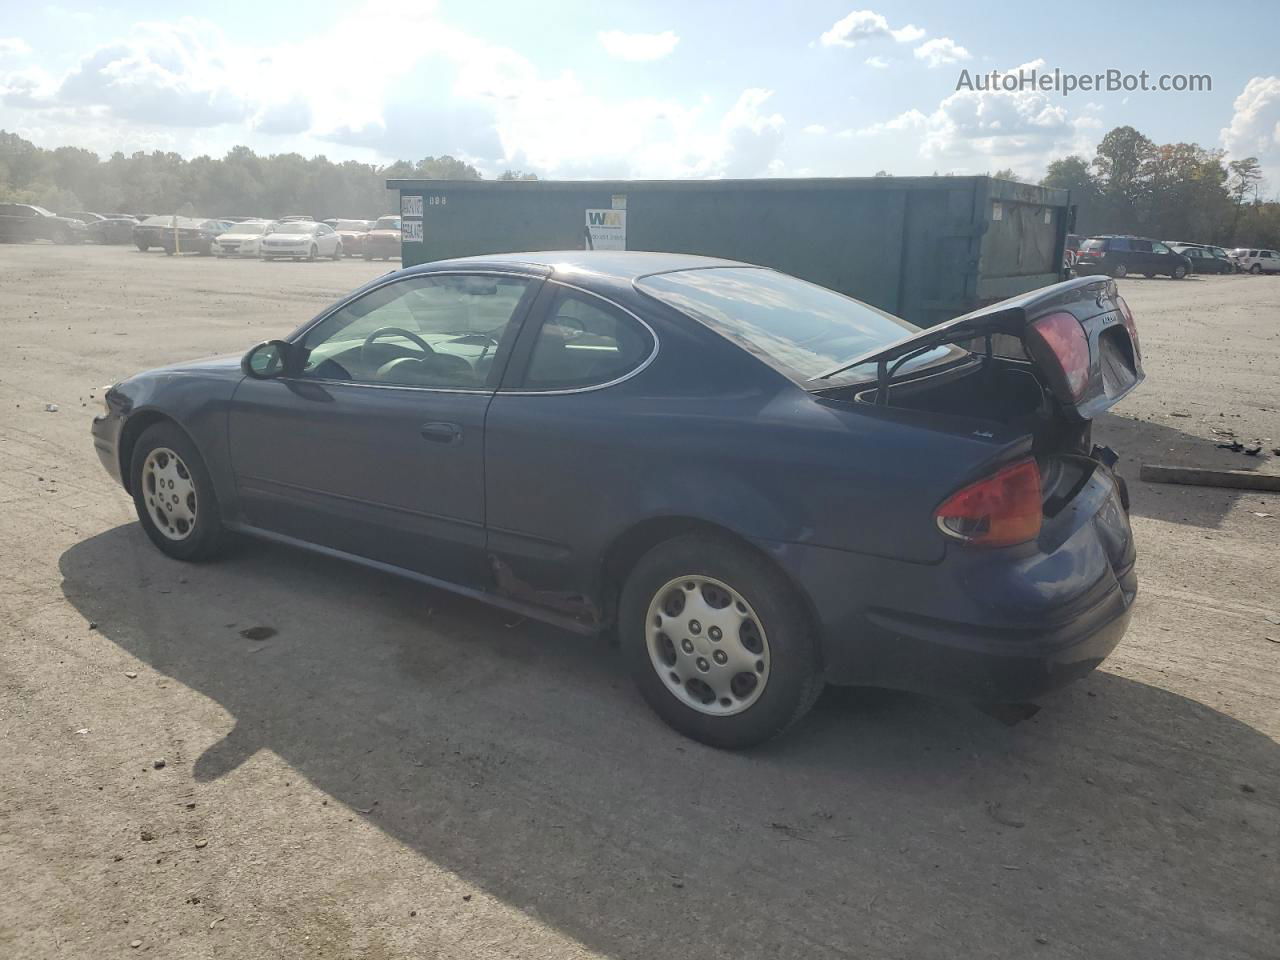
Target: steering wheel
[{"x": 396, "y": 331}]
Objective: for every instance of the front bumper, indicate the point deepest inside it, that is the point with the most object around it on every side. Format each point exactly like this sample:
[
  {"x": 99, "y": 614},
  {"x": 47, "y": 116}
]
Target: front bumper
[
  {"x": 1000, "y": 625},
  {"x": 106, "y": 429},
  {"x": 302, "y": 250}
]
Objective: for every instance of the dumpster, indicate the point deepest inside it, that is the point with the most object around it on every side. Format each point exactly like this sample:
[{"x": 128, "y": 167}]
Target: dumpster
[{"x": 923, "y": 248}]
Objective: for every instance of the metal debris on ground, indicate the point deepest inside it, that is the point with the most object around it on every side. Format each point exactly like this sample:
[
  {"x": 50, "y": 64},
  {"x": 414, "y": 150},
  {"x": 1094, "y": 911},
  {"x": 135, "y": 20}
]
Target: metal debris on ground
[{"x": 258, "y": 633}]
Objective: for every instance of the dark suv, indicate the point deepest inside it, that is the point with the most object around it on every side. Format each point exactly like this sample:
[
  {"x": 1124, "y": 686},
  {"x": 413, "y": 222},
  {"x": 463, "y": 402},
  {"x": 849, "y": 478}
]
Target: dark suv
[
  {"x": 1119, "y": 256},
  {"x": 24, "y": 222}
]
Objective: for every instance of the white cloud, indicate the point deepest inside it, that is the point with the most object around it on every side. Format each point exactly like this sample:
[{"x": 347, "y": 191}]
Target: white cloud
[
  {"x": 880, "y": 63},
  {"x": 940, "y": 51},
  {"x": 815, "y": 128},
  {"x": 908, "y": 34},
  {"x": 13, "y": 47},
  {"x": 862, "y": 25},
  {"x": 638, "y": 47},
  {"x": 974, "y": 131},
  {"x": 1254, "y": 130}
]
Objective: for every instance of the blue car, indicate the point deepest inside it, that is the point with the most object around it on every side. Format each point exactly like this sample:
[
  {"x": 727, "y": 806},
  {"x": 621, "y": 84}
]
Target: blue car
[{"x": 755, "y": 484}]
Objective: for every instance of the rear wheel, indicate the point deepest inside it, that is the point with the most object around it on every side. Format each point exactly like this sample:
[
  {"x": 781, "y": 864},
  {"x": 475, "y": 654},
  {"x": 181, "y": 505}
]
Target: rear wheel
[
  {"x": 173, "y": 494},
  {"x": 1179, "y": 272},
  {"x": 337, "y": 252},
  {"x": 717, "y": 643},
  {"x": 142, "y": 247},
  {"x": 1149, "y": 276},
  {"x": 1119, "y": 270},
  {"x": 1256, "y": 269},
  {"x": 313, "y": 252}
]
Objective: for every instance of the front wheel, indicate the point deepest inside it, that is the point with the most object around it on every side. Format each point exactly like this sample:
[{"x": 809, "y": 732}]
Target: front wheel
[
  {"x": 313, "y": 252},
  {"x": 1256, "y": 269},
  {"x": 337, "y": 252},
  {"x": 173, "y": 494},
  {"x": 1119, "y": 270},
  {"x": 1178, "y": 272},
  {"x": 717, "y": 643},
  {"x": 142, "y": 247}
]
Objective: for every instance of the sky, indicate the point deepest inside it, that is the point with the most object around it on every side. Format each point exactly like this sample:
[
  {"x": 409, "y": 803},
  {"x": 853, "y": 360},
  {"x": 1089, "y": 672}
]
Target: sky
[{"x": 628, "y": 90}]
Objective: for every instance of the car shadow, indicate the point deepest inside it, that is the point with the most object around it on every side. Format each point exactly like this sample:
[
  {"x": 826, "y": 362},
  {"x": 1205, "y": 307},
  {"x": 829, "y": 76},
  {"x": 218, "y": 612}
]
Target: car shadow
[
  {"x": 1147, "y": 441},
  {"x": 1121, "y": 820}
]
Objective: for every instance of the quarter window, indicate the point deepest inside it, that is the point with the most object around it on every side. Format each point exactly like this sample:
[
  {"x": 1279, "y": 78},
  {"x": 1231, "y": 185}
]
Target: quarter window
[
  {"x": 585, "y": 341},
  {"x": 438, "y": 331}
]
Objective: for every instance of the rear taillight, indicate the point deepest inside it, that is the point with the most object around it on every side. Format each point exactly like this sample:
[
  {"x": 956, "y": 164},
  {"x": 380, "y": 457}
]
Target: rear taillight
[
  {"x": 1059, "y": 338},
  {"x": 997, "y": 511},
  {"x": 1129, "y": 325}
]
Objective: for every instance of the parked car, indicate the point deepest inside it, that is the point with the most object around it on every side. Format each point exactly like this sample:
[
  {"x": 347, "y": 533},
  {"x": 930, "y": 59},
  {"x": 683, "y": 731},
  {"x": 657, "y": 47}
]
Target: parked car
[
  {"x": 1256, "y": 261},
  {"x": 83, "y": 217},
  {"x": 243, "y": 239},
  {"x": 353, "y": 233},
  {"x": 1202, "y": 258},
  {"x": 763, "y": 485},
  {"x": 383, "y": 240},
  {"x": 175, "y": 234},
  {"x": 1118, "y": 256},
  {"x": 299, "y": 240},
  {"x": 116, "y": 228},
  {"x": 24, "y": 222}
]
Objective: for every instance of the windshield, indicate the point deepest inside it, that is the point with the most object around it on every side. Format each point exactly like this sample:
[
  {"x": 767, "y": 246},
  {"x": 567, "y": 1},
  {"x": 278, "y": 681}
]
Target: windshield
[
  {"x": 249, "y": 228},
  {"x": 387, "y": 223},
  {"x": 41, "y": 210},
  {"x": 798, "y": 327},
  {"x": 350, "y": 225},
  {"x": 296, "y": 226}
]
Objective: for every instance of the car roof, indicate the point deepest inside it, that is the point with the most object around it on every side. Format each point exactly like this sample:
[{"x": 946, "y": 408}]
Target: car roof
[{"x": 620, "y": 265}]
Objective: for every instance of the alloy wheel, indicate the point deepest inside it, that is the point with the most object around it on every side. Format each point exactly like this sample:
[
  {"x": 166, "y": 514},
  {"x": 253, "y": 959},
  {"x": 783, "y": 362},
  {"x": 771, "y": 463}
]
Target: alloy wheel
[
  {"x": 707, "y": 645},
  {"x": 170, "y": 493}
]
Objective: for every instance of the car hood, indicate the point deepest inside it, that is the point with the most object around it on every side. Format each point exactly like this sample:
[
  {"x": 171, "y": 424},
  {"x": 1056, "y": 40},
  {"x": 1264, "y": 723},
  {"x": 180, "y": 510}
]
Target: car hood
[{"x": 239, "y": 236}]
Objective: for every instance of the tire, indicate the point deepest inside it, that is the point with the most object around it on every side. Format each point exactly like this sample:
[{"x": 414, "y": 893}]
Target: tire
[
  {"x": 142, "y": 247},
  {"x": 1178, "y": 272},
  {"x": 1119, "y": 271},
  {"x": 369, "y": 257},
  {"x": 337, "y": 252},
  {"x": 735, "y": 712},
  {"x": 1149, "y": 276},
  {"x": 1256, "y": 269},
  {"x": 63, "y": 236},
  {"x": 175, "y": 455},
  {"x": 313, "y": 252}
]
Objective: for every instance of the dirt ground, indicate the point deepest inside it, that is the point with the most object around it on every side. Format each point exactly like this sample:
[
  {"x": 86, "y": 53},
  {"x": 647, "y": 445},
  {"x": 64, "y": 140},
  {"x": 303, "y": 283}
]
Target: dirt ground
[{"x": 399, "y": 773}]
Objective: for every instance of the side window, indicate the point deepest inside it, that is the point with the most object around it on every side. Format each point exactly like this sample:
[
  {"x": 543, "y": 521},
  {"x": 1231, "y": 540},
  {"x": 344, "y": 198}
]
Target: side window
[
  {"x": 1119, "y": 245},
  {"x": 585, "y": 341},
  {"x": 433, "y": 331},
  {"x": 1160, "y": 248},
  {"x": 1266, "y": 253},
  {"x": 1140, "y": 246}
]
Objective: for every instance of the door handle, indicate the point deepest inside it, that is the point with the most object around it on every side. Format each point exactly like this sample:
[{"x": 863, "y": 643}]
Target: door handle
[{"x": 439, "y": 432}]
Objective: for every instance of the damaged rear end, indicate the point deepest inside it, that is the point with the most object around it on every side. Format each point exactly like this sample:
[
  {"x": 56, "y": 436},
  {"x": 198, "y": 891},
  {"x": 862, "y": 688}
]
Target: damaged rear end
[{"x": 1037, "y": 579}]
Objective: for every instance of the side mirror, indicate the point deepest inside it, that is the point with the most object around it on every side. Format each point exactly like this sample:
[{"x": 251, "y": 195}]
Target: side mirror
[{"x": 266, "y": 361}]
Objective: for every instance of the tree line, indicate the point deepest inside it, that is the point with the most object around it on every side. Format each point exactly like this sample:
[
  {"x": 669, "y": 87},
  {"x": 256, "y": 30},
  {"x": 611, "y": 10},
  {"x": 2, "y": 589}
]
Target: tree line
[
  {"x": 1176, "y": 191},
  {"x": 1171, "y": 191},
  {"x": 240, "y": 184}
]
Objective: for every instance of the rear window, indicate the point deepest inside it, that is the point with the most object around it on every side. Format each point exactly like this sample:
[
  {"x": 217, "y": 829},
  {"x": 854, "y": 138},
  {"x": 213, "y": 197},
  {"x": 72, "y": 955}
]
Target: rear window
[
  {"x": 350, "y": 225},
  {"x": 387, "y": 223},
  {"x": 296, "y": 226},
  {"x": 800, "y": 328},
  {"x": 1094, "y": 245}
]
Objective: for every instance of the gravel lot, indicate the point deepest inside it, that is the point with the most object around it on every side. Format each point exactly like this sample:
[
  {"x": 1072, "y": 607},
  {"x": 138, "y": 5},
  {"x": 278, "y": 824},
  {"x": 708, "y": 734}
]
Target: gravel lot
[{"x": 402, "y": 773}]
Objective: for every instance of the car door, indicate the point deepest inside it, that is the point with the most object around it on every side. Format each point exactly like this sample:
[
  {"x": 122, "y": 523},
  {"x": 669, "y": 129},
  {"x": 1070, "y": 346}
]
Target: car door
[
  {"x": 572, "y": 388},
  {"x": 326, "y": 240},
  {"x": 373, "y": 442},
  {"x": 1141, "y": 259},
  {"x": 1270, "y": 261}
]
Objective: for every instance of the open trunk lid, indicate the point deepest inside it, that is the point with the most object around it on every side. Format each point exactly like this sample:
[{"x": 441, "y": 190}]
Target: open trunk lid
[{"x": 1079, "y": 334}]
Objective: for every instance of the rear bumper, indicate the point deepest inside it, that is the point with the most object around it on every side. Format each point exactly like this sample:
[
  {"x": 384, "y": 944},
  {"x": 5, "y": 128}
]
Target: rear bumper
[{"x": 986, "y": 625}]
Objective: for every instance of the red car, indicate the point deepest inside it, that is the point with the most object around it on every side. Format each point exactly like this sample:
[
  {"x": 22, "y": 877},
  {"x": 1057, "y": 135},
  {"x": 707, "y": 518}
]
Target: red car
[
  {"x": 352, "y": 233},
  {"x": 384, "y": 239}
]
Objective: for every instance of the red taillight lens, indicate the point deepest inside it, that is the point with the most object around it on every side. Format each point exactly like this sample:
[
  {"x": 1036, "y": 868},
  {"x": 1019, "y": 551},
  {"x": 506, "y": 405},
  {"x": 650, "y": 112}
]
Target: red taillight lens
[
  {"x": 1060, "y": 338},
  {"x": 1129, "y": 325},
  {"x": 997, "y": 511}
]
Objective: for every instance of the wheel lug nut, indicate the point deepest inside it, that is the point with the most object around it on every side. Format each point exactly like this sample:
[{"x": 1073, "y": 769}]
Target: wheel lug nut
[
  {"x": 714, "y": 633},
  {"x": 686, "y": 645},
  {"x": 719, "y": 657},
  {"x": 695, "y": 627},
  {"x": 703, "y": 665}
]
